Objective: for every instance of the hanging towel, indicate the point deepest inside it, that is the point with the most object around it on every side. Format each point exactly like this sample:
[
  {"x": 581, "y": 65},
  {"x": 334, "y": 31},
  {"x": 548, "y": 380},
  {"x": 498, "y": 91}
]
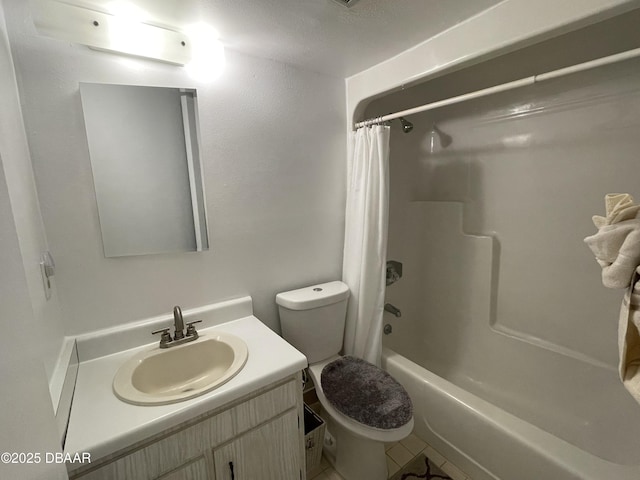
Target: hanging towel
[
  {"x": 617, "y": 250},
  {"x": 616, "y": 245},
  {"x": 629, "y": 338}
]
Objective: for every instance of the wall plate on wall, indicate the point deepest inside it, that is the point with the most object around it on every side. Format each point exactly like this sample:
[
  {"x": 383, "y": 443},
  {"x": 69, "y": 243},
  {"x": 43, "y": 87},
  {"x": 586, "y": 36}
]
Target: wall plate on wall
[{"x": 48, "y": 270}]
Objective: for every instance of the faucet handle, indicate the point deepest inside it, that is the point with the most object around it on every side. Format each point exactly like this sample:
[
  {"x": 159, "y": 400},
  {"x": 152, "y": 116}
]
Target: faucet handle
[
  {"x": 165, "y": 337},
  {"x": 191, "y": 330}
]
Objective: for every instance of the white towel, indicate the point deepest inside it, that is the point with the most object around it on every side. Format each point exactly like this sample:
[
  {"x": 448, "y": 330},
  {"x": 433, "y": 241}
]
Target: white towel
[
  {"x": 616, "y": 246},
  {"x": 619, "y": 207},
  {"x": 629, "y": 338},
  {"x": 617, "y": 250}
]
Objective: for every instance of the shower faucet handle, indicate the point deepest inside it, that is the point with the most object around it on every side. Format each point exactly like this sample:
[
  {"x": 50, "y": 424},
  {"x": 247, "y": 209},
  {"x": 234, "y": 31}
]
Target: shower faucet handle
[{"x": 394, "y": 271}]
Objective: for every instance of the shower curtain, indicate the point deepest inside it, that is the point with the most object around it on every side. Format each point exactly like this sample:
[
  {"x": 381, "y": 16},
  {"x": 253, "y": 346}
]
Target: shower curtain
[{"x": 365, "y": 243}]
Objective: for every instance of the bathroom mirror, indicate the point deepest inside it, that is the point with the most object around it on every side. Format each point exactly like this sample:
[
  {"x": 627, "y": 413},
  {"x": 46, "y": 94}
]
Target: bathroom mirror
[{"x": 144, "y": 150}]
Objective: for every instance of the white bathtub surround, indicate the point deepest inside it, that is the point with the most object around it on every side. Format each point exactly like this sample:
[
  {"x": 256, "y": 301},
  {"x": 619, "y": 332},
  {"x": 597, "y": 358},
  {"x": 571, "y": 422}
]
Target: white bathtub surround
[
  {"x": 616, "y": 245},
  {"x": 566, "y": 419},
  {"x": 534, "y": 334},
  {"x": 365, "y": 243}
]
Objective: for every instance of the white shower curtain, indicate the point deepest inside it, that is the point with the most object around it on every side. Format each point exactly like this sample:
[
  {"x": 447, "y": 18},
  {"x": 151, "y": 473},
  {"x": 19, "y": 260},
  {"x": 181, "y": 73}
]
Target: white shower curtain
[{"x": 365, "y": 243}]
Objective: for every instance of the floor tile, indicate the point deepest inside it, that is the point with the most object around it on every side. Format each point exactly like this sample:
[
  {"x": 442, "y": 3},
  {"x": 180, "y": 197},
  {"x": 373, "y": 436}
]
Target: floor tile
[
  {"x": 320, "y": 476},
  {"x": 434, "y": 456},
  {"x": 314, "y": 472},
  {"x": 413, "y": 444},
  {"x": 400, "y": 455},
  {"x": 392, "y": 467},
  {"x": 324, "y": 463},
  {"x": 387, "y": 446},
  {"x": 332, "y": 474},
  {"x": 418, "y": 468},
  {"x": 453, "y": 471}
]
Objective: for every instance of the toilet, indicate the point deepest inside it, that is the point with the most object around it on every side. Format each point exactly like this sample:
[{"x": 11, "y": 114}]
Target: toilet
[{"x": 360, "y": 418}]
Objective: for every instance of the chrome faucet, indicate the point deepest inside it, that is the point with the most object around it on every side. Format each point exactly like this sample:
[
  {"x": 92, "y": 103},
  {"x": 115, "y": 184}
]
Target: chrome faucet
[
  {"x": 178, "y": 323},
  {"x": 179, "y": 336}
]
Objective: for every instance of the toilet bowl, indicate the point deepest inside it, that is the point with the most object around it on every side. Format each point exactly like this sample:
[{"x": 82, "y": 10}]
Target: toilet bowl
[{"x": 312, "y": 320}]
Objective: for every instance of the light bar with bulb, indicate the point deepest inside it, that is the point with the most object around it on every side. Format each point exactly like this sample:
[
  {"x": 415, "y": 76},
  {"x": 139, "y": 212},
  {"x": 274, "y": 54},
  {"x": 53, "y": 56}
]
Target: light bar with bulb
[{"x": 120, "y": 33}]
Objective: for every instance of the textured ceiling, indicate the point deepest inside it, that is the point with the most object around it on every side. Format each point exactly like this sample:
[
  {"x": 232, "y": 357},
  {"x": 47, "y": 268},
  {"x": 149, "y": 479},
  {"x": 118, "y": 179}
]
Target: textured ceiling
[{"x": 319, "y": 35}]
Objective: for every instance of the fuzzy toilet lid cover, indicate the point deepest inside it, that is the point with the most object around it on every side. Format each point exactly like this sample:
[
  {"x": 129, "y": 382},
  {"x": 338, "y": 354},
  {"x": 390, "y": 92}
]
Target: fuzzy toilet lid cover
[{"x": 366, "y": 393}]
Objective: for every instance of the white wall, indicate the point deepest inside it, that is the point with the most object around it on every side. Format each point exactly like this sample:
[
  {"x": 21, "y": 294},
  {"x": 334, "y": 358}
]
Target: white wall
[
  {"x": 48, "y": 334},
  {"x": 26, "y": 415},
  {"x": 273, "y": 153}
]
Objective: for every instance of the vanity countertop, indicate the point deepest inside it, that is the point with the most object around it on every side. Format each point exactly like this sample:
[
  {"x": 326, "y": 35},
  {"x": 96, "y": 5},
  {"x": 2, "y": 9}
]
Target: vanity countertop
[{"x": 101, "y": 424}]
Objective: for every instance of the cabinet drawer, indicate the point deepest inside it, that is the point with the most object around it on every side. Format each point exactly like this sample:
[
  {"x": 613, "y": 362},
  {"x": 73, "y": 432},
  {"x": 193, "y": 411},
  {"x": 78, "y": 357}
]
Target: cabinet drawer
[{"x": 168, "y": 453}]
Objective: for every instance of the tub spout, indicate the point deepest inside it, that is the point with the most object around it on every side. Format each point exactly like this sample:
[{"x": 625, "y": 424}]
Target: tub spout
[{"x": 393, "y": 310}]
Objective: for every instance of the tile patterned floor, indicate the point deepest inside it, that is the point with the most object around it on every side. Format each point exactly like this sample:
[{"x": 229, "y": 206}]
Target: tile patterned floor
[
  {"x": 421, "y": 467},
  {"x": 402, "y": 457},
  {"x": 324, "y": 472},
  {"x": 402, "y": 453}
]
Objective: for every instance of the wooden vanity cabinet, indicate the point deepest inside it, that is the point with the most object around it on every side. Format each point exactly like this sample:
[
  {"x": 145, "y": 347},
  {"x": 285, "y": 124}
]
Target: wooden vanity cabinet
[
  {"x": 264, "y": 453},
  {"x": 259, "y": 437}
]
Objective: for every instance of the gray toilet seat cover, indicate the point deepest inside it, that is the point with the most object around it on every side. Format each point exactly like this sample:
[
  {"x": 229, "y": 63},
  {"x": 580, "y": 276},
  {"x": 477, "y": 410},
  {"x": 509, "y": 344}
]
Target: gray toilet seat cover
[{"x": 366, "y": 393}]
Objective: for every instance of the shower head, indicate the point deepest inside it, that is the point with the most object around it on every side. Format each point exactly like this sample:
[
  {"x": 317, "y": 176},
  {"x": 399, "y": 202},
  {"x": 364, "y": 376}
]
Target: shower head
[
  {"x": 437, "y": 139},
  {"x": 407, "y": 126}
]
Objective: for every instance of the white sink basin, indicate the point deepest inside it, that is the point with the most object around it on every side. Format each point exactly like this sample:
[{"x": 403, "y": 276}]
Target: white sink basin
[{"x": 168, "y": 375}]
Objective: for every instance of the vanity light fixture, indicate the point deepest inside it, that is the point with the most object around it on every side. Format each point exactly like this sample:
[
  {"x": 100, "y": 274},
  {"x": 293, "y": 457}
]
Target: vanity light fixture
[
  {"x": 121, "y": 31},
  {"x": 207, "y": 53}
]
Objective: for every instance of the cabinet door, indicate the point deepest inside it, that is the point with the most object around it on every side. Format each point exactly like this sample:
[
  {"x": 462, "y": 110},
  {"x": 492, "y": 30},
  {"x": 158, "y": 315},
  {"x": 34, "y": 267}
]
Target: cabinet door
[
  {"x": 270, "y": 452},
  {"x": 196, "y": 470}
]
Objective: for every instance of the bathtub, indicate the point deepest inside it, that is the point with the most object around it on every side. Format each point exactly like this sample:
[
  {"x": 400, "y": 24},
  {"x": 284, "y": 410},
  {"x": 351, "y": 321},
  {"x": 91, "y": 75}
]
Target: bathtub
[{"x": 488, "y": 442}]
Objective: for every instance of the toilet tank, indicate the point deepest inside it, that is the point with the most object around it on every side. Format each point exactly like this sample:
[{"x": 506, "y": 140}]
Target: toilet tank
[{"x": 312, "y": 318}]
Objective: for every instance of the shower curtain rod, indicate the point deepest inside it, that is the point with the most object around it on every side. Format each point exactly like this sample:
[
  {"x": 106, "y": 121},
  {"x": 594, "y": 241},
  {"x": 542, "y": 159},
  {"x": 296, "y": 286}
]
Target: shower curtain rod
[{"x": 523, "y": 82}]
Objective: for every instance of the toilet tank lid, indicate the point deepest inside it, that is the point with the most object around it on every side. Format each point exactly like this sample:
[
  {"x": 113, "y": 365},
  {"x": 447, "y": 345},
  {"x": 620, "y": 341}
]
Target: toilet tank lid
[{"x": 314, "y": 296}]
